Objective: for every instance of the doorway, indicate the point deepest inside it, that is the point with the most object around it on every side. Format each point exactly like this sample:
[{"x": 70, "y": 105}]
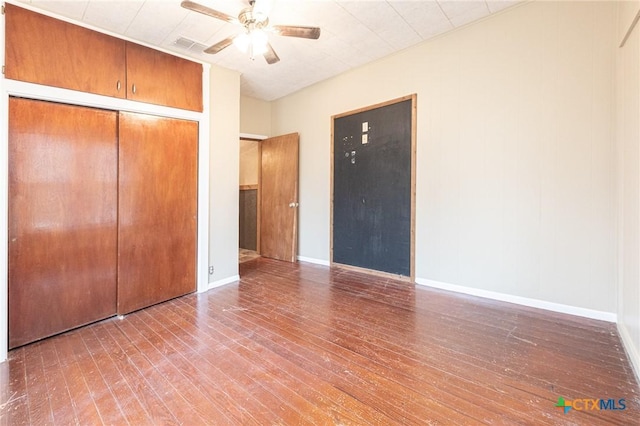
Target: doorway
[
  {"x": 269, "y": 198},
  {"x": 249, "y": 235}
]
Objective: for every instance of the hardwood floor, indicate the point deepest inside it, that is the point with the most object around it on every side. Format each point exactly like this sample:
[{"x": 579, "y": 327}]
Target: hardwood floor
[
  {"x": 305, "y": 344},
  {"x": 245, "y": 255}
]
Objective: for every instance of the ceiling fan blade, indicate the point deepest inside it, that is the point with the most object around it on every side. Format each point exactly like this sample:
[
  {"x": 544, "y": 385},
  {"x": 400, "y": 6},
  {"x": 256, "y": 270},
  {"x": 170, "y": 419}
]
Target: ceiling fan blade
[
  {"x": 220, "y": 45},
  {"x": 270, "y": 55},
  {"x": 297, "y": 31},
  {"x": 207, "y": 11}
]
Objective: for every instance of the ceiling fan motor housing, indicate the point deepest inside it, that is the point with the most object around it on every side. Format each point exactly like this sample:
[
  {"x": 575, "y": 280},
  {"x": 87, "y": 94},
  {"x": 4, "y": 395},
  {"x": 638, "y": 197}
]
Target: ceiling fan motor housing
[{"x": 251, "y": 20}]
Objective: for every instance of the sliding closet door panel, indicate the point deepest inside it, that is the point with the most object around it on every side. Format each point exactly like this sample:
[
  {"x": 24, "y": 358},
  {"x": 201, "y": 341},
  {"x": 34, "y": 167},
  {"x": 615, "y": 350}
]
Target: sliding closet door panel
[
  {"x": 157, "y": 210},
  {"x": 62, "y": 217}
]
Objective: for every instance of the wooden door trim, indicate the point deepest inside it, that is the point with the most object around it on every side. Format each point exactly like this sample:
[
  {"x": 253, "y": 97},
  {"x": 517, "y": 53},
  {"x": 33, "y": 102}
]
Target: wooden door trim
[
  {"x": 372, "y": 272},
  {"x": 259, "y": 201},
  {"x": 414, "y": 102}
]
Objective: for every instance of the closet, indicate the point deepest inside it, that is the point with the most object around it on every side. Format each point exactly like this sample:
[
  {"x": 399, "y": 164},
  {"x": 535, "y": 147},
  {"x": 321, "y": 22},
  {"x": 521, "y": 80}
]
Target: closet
[
  {"x": 102, "y": 203},
  {"x": 102, "y": 214}
]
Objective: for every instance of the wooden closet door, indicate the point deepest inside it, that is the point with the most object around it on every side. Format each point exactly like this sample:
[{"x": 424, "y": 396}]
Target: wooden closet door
[
  {"x": 157, "y": 210},
  {"x": 62, "y": 218}
]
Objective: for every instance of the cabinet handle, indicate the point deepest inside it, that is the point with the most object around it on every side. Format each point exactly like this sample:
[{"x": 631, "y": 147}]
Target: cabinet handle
[
  {"x": 133, "y": 89},
  {"x": 118, "y": 85}
]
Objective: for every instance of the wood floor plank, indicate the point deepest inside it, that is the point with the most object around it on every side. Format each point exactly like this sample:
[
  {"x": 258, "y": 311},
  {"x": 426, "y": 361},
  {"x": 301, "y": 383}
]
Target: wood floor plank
[
  {"x": 15, "y": 406},
  {"x": 84, "y": 406},
  {"x": 225, "y": 382},
  {"x": 38, "y": 401},
  {"x": 134, "y": 367},
  {"x": 409, "y": 371},
  {"x": 239, "y": 369},
  {"x": 62, "y": 406},
  {"x": 194, "y": 372},
  {"x": 4, "y": 393},
  {"x": 307, "y": 344},
  {"x": 253, "y": 376},
  {"x": 333, "y": 407},
  {"x": 356, "y": 380},
  {"x": 350, "y": 329},
  {"x": 107, "y": 376},
  {"x": 187, "y": 404},
  {"x": 468, "y": 346},
  {"x": 104, "y": 400}
]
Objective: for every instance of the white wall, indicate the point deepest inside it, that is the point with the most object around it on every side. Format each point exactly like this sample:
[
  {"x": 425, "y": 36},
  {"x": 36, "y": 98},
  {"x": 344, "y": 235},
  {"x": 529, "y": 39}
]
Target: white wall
[
  {"x": 515, "y": 163},
  {"x": 224, "y": 175},
  {"x": 249, "y": 162},
  {"x": 628, "y": 166},
  {"x": 255, "y": 116}
]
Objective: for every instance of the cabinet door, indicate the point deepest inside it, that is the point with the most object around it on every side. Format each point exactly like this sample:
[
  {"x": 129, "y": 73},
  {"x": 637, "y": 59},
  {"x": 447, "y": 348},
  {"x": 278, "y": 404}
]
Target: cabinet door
[
  {"x": 47, "y": 51},
  {"x": 158, "y": 78},
  {"x": 62, "y": 218},
  {"x": 157, "y": 207}
]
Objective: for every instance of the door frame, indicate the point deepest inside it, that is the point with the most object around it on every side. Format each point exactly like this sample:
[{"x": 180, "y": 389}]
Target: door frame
[
  {"x": 412, "y": 263},
  {"x": 296, "y": 197},
  {"x": 257, "y": 139},
  {"x": 38, "y": 92}
]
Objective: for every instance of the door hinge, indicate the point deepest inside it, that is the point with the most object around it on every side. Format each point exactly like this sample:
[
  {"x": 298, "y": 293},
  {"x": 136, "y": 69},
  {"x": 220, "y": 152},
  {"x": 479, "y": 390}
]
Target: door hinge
[
  {"x": 3, "y": 70},
  {"x": 3, "y": 8}
]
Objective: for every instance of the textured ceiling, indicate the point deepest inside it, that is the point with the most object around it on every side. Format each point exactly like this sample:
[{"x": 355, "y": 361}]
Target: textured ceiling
[{"x": 353, "y": 32}]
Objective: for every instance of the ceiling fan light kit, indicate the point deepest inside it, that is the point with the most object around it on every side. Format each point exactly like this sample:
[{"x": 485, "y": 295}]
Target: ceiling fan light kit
[
  {"x": 255, "y": 20},
  {"x": 252, "y": 42}
]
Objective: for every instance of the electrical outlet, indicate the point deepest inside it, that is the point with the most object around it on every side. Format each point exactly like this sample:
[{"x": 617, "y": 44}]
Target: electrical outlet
[{"x": 210, "y": 270}]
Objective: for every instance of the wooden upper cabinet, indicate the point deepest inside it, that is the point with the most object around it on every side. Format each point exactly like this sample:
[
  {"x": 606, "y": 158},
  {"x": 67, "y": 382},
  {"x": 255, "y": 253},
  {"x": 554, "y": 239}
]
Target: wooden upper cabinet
[
  {"x": 40, "y": 49},
  {"x": 44, "y": 50},
  {"x": 159, "y": 78}
]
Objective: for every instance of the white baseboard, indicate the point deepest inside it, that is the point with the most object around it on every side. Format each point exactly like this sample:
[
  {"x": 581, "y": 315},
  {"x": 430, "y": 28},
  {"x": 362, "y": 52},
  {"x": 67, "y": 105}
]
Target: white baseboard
[
  {"x": 632, "y": 350},
  {"x": 525, "y": 301},
  {"x": 223, "y": 281},
  {"x": 312, "y": 260}
]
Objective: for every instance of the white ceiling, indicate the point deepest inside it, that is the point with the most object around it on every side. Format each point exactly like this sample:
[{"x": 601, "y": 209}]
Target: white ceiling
[{"x": 354, "y": 32}]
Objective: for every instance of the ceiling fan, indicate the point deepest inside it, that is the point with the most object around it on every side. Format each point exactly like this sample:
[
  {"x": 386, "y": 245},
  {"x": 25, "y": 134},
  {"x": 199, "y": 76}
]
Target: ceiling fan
[{"x": 255, "y": 21}]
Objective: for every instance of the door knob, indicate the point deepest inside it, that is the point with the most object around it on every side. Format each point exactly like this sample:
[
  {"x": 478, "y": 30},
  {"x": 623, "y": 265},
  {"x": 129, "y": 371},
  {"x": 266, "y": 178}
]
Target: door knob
[{"x": 293, "y": 205}]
